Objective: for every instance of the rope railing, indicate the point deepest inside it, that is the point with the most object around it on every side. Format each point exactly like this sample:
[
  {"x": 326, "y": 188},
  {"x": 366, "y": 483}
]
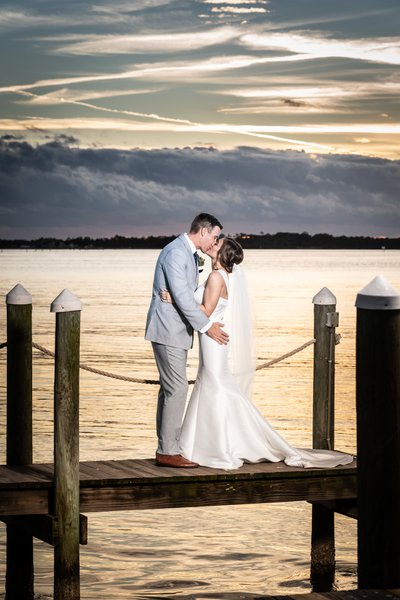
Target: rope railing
[
  {"x": 85, "y": 367},
  {"x": 274, "y": 361},
  {"x": 99, "y": 371}
]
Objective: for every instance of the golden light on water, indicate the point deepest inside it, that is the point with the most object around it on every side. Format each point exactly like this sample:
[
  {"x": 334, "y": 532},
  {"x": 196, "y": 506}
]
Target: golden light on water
[{"x": 259, "y": 549}]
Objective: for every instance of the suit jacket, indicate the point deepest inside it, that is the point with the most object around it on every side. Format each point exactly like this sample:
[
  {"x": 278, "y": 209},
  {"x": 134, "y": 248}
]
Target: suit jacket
[{"x": 173, "y": 324}]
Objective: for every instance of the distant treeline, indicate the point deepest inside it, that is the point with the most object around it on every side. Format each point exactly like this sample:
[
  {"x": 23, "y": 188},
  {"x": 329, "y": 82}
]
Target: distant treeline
[{"x": 279, "y": 240}]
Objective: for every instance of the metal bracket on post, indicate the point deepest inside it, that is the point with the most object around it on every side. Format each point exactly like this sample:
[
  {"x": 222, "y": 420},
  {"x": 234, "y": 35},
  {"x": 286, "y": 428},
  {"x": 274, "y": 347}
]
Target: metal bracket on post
[{"x": 332, "y": 319}]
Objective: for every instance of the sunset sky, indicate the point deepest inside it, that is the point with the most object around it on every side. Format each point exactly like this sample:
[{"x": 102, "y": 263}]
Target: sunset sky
[{"x": 129, "y": 117}]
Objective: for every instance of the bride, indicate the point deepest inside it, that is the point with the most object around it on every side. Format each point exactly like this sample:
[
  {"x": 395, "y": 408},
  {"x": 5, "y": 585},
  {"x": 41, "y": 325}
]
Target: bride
[{"x": 222, "y": 428}]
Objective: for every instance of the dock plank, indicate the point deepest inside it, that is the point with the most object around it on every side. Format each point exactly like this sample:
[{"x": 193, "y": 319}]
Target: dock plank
[
  {"x": 138, "y": 484},
  {"x": 337, "y": 595}
]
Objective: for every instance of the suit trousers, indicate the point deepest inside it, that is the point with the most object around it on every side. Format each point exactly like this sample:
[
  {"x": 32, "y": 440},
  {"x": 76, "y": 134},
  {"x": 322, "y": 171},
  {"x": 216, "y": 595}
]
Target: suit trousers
[{"x": 171, "y": 364}]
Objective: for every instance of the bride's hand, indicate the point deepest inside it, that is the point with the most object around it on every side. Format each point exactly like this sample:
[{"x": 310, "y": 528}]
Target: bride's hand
[{"x": 166, "y": 296}]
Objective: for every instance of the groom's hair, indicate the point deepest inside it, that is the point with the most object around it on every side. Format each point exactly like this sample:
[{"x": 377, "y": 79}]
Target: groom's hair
[{"x": 204, "y": 220}]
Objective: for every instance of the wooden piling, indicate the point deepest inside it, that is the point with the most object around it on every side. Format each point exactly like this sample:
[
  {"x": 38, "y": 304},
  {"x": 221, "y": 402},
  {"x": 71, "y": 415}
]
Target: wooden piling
[
  {"x": 66, "y": 446},
  {"x": 323, "y": 519},
  {"x": 378, "y": 435},
  {"x": 19, "y": 570}
]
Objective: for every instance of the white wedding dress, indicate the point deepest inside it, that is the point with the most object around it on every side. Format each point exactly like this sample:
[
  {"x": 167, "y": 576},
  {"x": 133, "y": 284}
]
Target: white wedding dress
[{"x": 222, "y": 428}]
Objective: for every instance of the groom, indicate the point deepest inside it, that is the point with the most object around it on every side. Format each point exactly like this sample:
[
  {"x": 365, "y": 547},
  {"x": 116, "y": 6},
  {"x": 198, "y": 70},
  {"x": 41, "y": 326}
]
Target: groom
[{"x": 170, "y": 328}]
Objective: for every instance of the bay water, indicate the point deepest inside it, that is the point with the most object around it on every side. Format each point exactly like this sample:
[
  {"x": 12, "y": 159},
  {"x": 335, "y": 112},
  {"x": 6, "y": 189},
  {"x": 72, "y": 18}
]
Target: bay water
[{"x": 211, "y": 552}]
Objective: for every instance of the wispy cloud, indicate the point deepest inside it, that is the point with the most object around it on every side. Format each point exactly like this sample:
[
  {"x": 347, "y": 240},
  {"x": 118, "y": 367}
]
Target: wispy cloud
[
  {"x": 288, "y": 92},
  {"x": 128, "y": 7},
  {"x": 38, "y": 16},
  {"x": 150, "y": 43},
  {"x": 235, "y": 2},
  {"x": 326, "y": 17},
  {"x": 18, "y": 19},
  {"x": 74, "y": 96},
  {"x": 381, "y": 50},
  {"x": 239, "y": 10},
  {"x": 327, "y": 95},
  {"x": 240, "y": 74},
  {"x": 21, "y": 19},
  {"x": 159, "y": 123},
  {"x": 157, "y": 71}
]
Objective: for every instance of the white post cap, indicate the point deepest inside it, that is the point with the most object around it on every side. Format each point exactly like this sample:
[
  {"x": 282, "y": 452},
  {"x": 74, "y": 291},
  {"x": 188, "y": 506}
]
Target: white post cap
[
  {"x": 378, "y": 295},
  {"x": 18, "y": 295},
  {"x": 324, "y": 297},
  {"x": 65, "y": 302}
]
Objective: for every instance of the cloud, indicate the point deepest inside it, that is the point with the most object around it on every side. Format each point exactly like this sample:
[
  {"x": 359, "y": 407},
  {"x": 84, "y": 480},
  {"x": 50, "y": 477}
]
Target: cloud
[
  {"x": 181, "y": 125},
  {"x": 235, "y": 2},
  {"x": 151, "y": 43},
  {"x": 19, "y": 19},
  {"x": 65, "y": 95},
  {"x": 128, "y": 7},
  {"x": 163, "y": 72},
  {"x": 328, "y": 17},
  {"x": 61, "y": 189},
  {"x": 150, "y": 122},
  {"x": 318, "y": 90},
  {"x": 239, "y": 10},
  {"x": 115, "y": 13},
  {"x": 11, "y": 19},
  {"x": 381, "y": 50}
]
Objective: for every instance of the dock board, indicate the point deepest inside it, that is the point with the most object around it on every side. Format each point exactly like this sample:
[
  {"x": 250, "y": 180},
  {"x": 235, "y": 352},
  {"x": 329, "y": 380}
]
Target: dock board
[
  {"x": 342, "y": 595},
  {"x": 139, "y": 484}
]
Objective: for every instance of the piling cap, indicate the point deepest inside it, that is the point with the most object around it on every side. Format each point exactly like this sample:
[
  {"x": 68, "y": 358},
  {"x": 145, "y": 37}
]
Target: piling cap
[
  {"x": 65, "y": 302},
  {"x": 324, "y": 297},
  {"x": 378, "y": 295},
  {"x": 18, "y": 295}
]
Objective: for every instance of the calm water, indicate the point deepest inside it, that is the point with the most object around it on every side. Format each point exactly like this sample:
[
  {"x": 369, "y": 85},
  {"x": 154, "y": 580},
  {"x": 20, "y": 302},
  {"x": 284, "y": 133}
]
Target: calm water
[{"x": 189, "y": 552}]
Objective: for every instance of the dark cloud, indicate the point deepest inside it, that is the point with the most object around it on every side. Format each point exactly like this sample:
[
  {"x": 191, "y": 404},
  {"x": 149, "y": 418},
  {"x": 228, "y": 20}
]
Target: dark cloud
[
  {"x": 63, "y": 190},
  {"x": 294, "y": 103}
]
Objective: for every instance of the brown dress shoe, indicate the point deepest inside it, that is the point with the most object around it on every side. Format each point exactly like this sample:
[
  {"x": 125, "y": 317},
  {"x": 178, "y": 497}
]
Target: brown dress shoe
[{"x": 174, "y": 460}]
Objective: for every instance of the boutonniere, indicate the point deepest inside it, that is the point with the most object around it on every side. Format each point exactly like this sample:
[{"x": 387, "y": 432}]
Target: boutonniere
[{"x": 200, "y": 262}]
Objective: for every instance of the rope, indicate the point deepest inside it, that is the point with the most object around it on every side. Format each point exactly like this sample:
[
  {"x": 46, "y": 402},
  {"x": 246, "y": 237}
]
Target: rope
[
  {"x": 156, "y": 381},
  {"x": 99, "y": 371},
  {"x": 265, "y": 365},
  {"x": 287, "y": 355}
]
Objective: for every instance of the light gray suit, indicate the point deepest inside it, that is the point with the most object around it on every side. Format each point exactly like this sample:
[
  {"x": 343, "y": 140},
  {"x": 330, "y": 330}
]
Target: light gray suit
[{"x": 170, "y": 329}]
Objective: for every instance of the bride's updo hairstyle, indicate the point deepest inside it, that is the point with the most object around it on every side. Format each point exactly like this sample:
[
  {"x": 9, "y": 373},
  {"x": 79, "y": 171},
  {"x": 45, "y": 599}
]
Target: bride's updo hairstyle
[{"x": 230, "y": 253}]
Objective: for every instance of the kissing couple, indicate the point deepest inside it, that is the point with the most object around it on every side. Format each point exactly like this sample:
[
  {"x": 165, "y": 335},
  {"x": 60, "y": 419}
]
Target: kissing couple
[{"x": 221, "y": 427}]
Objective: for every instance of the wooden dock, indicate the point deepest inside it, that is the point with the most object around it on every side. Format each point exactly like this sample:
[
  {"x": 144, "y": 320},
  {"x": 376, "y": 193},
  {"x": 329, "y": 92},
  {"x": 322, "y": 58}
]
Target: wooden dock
[
  {"x": 47, "y": 501},
  {"x": 343, "y": 595},
  {"x": 139, "y": 484}
]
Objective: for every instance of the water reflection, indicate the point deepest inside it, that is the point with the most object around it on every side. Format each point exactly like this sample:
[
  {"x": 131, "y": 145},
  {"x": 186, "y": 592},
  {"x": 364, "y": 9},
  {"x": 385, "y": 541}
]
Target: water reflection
[{"x": 215, "y": 552}]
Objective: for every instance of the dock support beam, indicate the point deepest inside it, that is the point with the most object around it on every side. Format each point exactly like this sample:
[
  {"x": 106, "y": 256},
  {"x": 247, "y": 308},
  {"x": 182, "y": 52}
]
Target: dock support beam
[
  {"x": 19, "y": 570},
  {"x": 323, "y": 519},
  {"x": 66, "y": 446},
  {"x": 378, "y": 435}
]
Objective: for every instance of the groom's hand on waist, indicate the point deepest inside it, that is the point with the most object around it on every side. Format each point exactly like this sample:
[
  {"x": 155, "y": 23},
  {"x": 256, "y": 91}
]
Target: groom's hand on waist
[{"x": 218, "y": 334}]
